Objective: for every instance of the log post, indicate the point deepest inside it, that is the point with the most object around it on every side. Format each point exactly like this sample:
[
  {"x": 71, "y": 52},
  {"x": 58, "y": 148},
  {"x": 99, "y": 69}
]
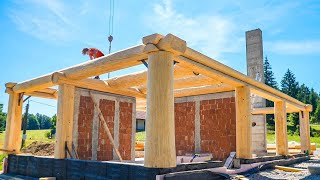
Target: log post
[
  {"x": 243, "y": 123},
  {"x": 13, "y": 137},
  {"x": 304, "y": 119},
  {"x": 280, "y": 115},
  {"x": 64, "y": 125},
  {"x": 160, "y": 151}
]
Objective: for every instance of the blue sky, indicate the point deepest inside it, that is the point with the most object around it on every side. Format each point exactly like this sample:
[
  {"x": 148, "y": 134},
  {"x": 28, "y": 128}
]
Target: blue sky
[{"x": 42, "y": 36}]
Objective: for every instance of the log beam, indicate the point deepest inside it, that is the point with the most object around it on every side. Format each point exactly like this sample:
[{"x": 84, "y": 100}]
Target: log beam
[
  {"x": 140, "y": 78},
  {"x": 96, "y": 84},
  {"x": 160, "y": 151},
  {"x": 236, "y": 78},
  {"x": 189, "y": 82},
  {"x": 12, "y": 141},
  {"x": 243, "y": 123},
  {"x": 304, "y": 119},
  {"x": 44, "y": 93},
  {"x": 64, "y": 120},
  {"x": 270, "y": 110},
  {"x": 216, "y": 88},
  {"x": 116, "y": 61},
  {"x": 281, "y": 128}
]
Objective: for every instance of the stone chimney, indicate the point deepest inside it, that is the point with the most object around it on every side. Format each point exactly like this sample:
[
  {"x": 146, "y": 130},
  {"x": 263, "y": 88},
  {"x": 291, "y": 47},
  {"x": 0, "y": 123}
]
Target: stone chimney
[{"x": 254, "y": 53}]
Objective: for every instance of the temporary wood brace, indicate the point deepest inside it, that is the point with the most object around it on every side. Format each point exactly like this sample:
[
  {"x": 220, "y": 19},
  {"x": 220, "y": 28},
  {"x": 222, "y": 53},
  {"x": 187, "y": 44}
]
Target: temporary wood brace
[{"x": 105, "y": 125}]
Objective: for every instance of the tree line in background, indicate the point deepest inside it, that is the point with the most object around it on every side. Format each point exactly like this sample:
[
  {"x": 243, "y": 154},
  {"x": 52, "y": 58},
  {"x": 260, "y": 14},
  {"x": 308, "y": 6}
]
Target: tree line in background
[
  {"x": 290, "y": 86},
  {"x": 37, "y": 121}
]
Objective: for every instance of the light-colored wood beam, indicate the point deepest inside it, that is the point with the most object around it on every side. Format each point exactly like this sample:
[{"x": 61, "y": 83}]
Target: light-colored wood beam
[
  {"x": 115, "y": 61},
  {"x": 189, "y": 82},
  {"x": 304, "y": 119},
  {"x": 64, "y": 126},
  {"x": 243, "y": 123},
  {"x": 12, "y": 141},
  {"x": 281, "y": 128},
  {"x": 216, "y": 88},
  {"x": 212, "y": 68},
  {"x": 96, "y": 84},
  {"x": 269, "y": 110},
  {"x": 140, "y": 78},
  {"x": 160, "y": 151},
  {"x": 44, "y": 93}
]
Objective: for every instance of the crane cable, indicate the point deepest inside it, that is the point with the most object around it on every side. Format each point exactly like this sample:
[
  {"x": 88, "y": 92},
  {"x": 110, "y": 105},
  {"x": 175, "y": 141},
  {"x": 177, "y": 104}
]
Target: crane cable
[{"x": 110, "y": 37}]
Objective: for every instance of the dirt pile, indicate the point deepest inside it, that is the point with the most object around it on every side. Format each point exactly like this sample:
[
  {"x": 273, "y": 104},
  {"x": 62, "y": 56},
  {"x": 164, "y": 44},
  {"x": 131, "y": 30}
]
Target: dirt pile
[{"x": 39, "y": 149}]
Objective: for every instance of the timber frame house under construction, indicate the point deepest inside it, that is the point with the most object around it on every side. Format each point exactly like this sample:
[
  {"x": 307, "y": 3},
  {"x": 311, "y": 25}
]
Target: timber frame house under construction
[{"x": 174, "y": 70}]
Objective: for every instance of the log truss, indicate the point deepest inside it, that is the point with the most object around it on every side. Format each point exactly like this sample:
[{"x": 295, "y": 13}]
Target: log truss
[{"x": 193, "y": 74}]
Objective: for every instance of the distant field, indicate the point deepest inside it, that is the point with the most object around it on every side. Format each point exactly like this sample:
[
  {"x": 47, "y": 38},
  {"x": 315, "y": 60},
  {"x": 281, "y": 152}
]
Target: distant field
[
  {"x": 32, "y": 135},
  {"x": 271, "y": 139}
]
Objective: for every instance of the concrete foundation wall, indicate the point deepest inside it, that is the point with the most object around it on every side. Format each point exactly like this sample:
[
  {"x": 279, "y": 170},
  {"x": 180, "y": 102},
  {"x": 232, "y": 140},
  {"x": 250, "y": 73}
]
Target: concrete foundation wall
[
  {"x": 89, "y": 136},
  {"x": 206, "y": 124}
]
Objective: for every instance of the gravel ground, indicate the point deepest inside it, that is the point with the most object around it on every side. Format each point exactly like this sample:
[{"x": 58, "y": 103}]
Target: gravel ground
[{"x": 279, "y": 174}]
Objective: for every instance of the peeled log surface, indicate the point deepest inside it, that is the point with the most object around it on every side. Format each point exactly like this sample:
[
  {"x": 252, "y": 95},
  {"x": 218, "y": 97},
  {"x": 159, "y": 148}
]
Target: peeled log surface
[
  {"x": 229, "y": 72},
  {"x": 140, "y": 78},
  {"x": 116, "y": 61},
  {"x": 189, "y": 82},
  {"x": 96, "y": 84},
  {"x": 202, "y": 90}
]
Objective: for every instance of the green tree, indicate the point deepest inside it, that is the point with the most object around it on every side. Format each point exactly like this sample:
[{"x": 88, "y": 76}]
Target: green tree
[
  {"x": 313, "y": 99},
  {"x": 289, "y": 85},
  {"x": 44, "y": 121},
  {"x": 304, "y": 94},
  {"x": 33, "y": 122},
  {"x": 316, "y": 117},
  {"x": 270, "y": 80},
  {"x": 3, "y": 117},
  {"x": 53, "y": 121}
]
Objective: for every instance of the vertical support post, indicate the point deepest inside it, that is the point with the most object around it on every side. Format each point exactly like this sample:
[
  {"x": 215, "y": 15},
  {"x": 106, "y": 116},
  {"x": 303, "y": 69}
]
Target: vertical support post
[
  {"x": 280, "y": 115},
  {"x": 64, "y": 125},
  {"x": 304, "y": 131},
  {"x": 243, "y": 123},
  {"x": 13, "y": 138},
  {"x": 160, "y": 151}
]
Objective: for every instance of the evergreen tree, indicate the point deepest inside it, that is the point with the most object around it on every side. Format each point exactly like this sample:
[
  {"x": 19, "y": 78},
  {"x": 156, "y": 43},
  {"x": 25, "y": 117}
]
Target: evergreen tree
[
  {"x": 304, "y": 94},
  {"x": 289, "y": 85},
  {"x": 313, "y": 100},
  {"x": 316, "y": 117},
  {"x": 270, "y": 80}
]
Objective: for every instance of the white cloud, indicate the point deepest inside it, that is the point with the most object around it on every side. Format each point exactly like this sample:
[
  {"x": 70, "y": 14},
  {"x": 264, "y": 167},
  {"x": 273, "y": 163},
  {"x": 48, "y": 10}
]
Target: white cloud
[
  {"x": 294, "y": 47},
  {"x": 211, "y": 34},
  {"x": 56, "y": 21},
  {"x": 216, "y": 33}
]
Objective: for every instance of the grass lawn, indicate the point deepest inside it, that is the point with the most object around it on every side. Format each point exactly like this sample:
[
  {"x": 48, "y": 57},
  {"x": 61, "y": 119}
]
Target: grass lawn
[
  {"x": 140, "y": 136},
  {"x": 315, "y": 126},
  {"x": 271, "y": 139}
]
